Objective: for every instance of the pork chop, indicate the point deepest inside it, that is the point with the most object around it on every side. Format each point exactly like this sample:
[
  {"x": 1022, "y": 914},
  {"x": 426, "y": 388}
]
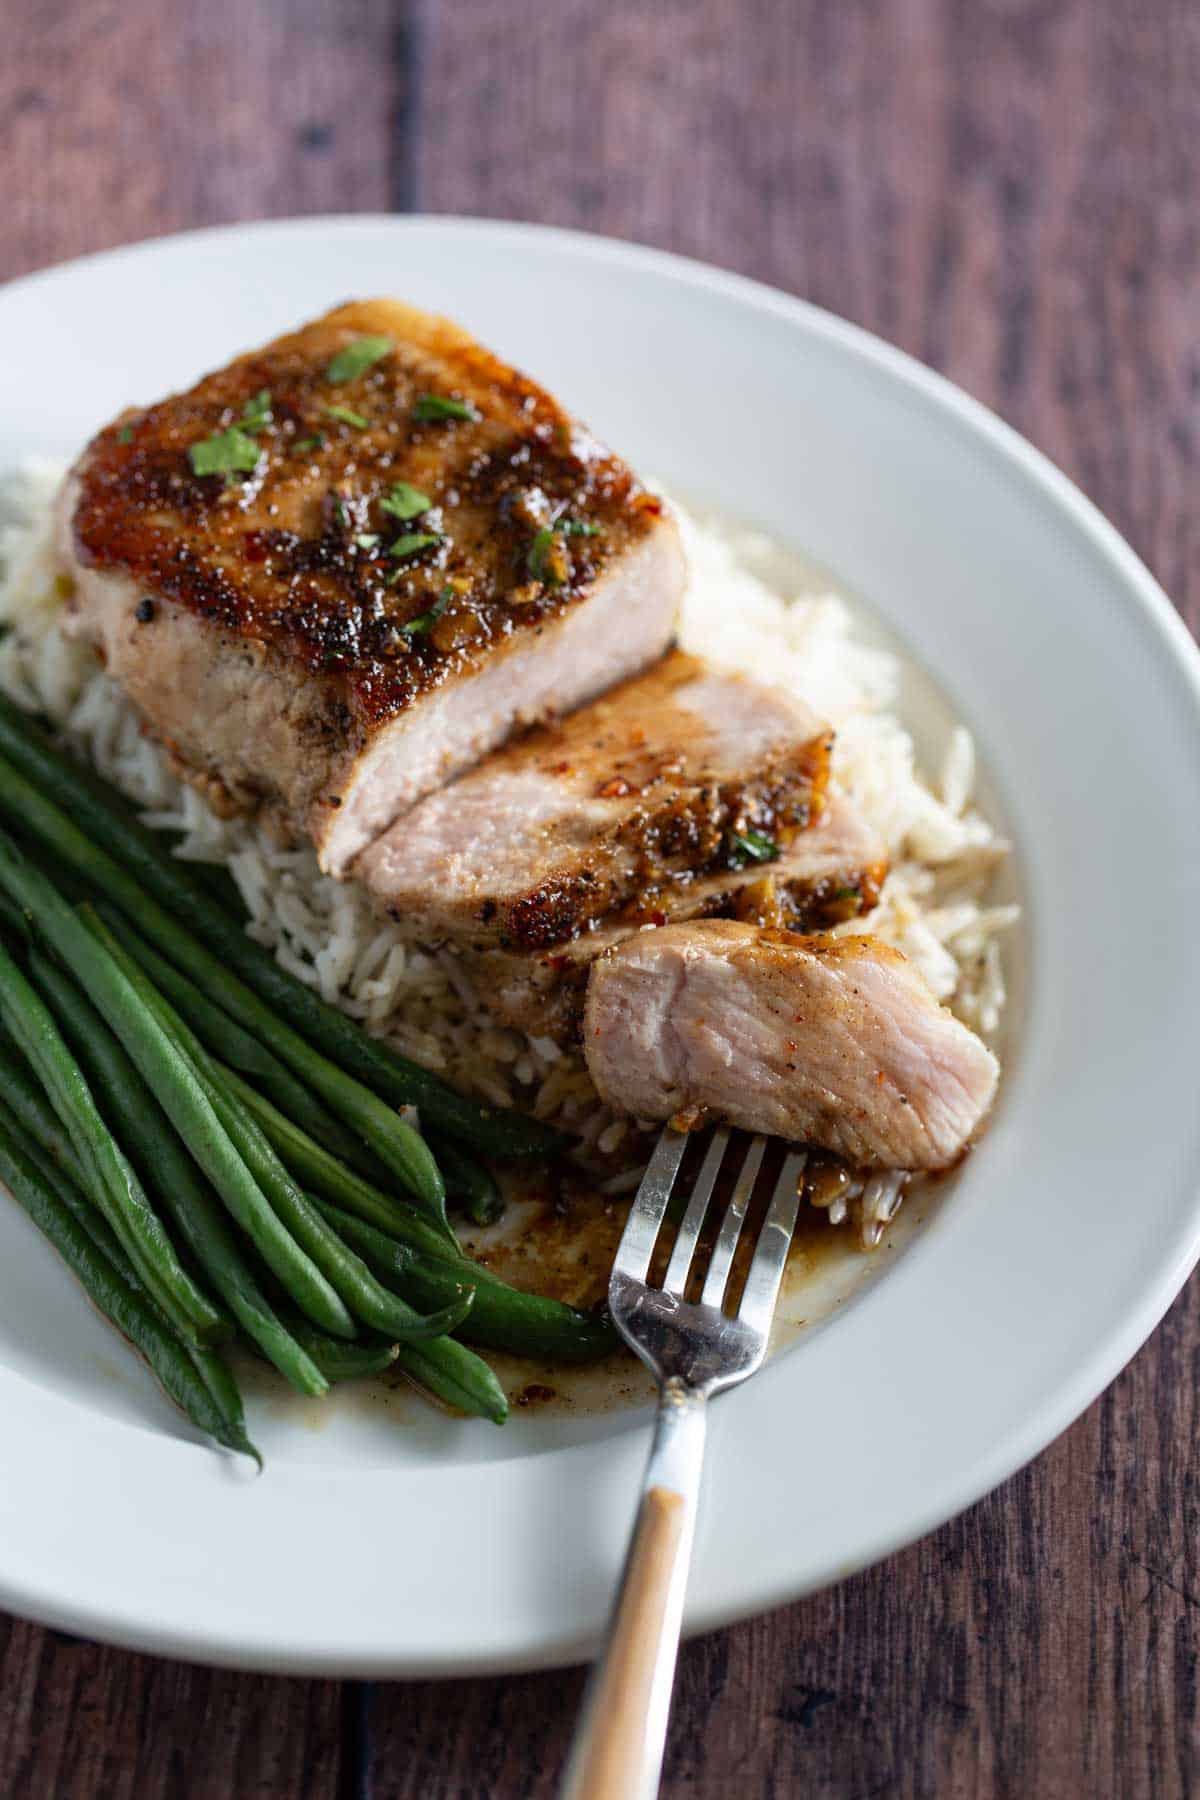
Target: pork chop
[
  {"x": 828, "y": 874},
  {"x": 680, "y": 774},
  {"x": 835, "y": 1042},
  {"x": 337, "y": 571}
]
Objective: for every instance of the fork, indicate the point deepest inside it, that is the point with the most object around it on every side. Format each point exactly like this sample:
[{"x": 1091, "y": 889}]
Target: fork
[{"x": 694, "y": 1349}]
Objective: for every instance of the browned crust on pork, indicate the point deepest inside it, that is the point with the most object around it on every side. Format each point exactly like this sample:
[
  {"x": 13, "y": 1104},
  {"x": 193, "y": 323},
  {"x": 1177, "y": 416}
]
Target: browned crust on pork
[{"x": 273, "y": 560}]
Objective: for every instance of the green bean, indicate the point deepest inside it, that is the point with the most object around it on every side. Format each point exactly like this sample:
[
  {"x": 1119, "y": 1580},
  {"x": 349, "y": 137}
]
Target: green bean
[
  {"x": 69, "y": 1189},
  {"x": 218, "y": 1378},
  {"x": 468, "y": 1182},
  {"x": 343, "y": 1362},
  {"x": 131, "y": 1312},
  {"x": 393, "y": 1140},
  {"x": 166, "y": 1166},
  {"x": 456, "y": 1375},
  {"x": 239, "y": 1048},
  {"x": 502, "y": 1318},
  {"x": 42, "y": 792},
  {"x": 14, "y": 921},
  {"x": 175, "y": 1082},
  {"x": 346, "y": 1272},
  {"x": 314, "y": 1167},
  {"x": 118, "y": 1190},
  {"x": 210, "y": 1367},
  {"x": 443, "y": 1367},
  {"x": 34, "y": 1112},
  {"x": 213, "y": 1371}
]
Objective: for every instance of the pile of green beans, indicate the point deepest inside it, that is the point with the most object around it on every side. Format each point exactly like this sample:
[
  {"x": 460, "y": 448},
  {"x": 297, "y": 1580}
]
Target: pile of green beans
[
  {"x": 78, "y": 821},
  {"x": 197, "y": 1381},
  {"x": 212, "y": 1148}
]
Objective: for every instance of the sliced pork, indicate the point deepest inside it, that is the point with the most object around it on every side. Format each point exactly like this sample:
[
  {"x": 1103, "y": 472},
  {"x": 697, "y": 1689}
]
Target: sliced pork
[
  {"x": 829, "y": 873},
  {"x": 835, "y": 1042},
  {"x": 337, "y": 571},
  {"x": 682, "y": 774}
]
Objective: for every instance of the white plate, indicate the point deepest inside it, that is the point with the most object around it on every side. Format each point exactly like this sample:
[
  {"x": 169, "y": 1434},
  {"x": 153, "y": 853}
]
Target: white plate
[{"x": 414, "y": 1546}]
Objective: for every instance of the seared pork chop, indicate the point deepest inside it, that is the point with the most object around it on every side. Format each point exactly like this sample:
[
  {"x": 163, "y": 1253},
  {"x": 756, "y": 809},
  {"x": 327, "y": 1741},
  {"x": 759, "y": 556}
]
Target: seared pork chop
[
  {"x": 680, "y": 774},
  {"x": 835, "y": 1042},
  {"x": 337, "y": 571},
  {"x": 829, "y": 873}
]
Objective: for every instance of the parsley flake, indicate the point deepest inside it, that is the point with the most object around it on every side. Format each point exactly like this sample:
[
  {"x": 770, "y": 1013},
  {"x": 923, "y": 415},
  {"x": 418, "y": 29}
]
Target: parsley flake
[
  {"x": 234, "y": 451},
  {"x": 546, "y": 561},
  {"x": 256, "y": 414},
  {"x": 416, "y": 627},
  {"x": 539, "y": 550},
  {"x": 752, "y": 846},
  {"x": 308, "y": 443},
  {"x": 344, "y": 416},
  {"x": 356, "y": 358},
  {"x": 412, "y": 541},
  {"x": 228, "y": 453},
  {"x": 125, "y": 435},
  {"x": 405, "y": 502},
  {"x": 430, "y": 407},
  {"x": 367, "y": 540}
]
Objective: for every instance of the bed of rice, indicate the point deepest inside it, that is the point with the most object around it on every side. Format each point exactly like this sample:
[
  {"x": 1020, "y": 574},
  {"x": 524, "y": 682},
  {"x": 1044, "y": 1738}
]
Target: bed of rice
[{"x": 934, "y": 906}]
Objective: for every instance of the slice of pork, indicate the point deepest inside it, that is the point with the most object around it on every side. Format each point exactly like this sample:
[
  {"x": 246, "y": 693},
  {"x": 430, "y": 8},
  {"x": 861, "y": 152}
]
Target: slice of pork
[
  {"x": 417, "y": 552},
  {"x": 827, "y": 874},
  {"x": 681, "y": 774},
  {"x": 835, "y": 1042}
]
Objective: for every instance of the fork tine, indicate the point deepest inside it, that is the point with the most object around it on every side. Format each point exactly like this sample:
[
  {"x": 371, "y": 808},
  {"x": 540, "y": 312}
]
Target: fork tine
[
  {"x": 684, "y": 1247},
  {"x": 650, "y": 1203},
  {"x": 770, "y": 1254},
  {"x": 731, "y": 1226}
]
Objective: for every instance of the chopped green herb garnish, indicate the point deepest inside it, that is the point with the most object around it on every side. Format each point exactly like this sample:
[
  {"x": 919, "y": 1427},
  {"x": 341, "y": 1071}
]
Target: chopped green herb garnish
[
  {"x": 405, "y": 502},
  {"x": 125, "y": 435},
  {"x": 424, "y": 620},
  {"x": 230, "y": 452},
  {"x": 234, "y": 452},
  {"x": 545, "y": 561},
  {"x": 357, "y": 358},
  {"x": 256, "y": 414},
  {"x": 753, "y": 846},
  {"x": 847, "y": 893},
  {"x": 535, "y": 562},
  {"x": 367, "y": 540},
  {"x": 412, "y": 541},
  {"x": 436, "y": 406},
  {"x": 346, "y": 417},
  {"x": 308, "y": 443},
  {"x": 341, "y": 511}
]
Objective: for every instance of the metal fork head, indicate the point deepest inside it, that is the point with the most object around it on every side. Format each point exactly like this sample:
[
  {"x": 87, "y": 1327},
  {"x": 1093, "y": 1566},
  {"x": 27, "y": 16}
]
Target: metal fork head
[{"x": 696, "y": 1342}]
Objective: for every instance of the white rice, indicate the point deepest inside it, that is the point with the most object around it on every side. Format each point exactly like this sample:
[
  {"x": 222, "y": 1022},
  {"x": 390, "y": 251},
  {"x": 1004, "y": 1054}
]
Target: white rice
[{"x": 934, "y": 904}]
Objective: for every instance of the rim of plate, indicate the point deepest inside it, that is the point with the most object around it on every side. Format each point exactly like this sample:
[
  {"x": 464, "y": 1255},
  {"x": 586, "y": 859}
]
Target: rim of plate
[{"x": 1091, "y": 1366}]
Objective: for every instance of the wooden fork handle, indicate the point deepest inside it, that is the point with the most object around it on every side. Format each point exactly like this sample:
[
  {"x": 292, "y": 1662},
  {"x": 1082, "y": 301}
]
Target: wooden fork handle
[{"x": 618, "y": 1749}]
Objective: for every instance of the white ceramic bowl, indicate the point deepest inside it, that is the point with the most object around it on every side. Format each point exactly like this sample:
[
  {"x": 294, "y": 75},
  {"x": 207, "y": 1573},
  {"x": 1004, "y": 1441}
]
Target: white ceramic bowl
[{"x": 417, "y": 1546}]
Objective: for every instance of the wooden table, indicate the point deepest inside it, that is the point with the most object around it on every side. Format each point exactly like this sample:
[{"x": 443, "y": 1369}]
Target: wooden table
[{"x": 1006, "y": 188}]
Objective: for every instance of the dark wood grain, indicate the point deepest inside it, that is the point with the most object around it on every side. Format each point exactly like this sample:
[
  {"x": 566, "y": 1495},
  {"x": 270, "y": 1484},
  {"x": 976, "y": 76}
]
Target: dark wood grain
[
  {"x": 79, "y": 1719},
  {"x": 1007, "y": 188}
]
